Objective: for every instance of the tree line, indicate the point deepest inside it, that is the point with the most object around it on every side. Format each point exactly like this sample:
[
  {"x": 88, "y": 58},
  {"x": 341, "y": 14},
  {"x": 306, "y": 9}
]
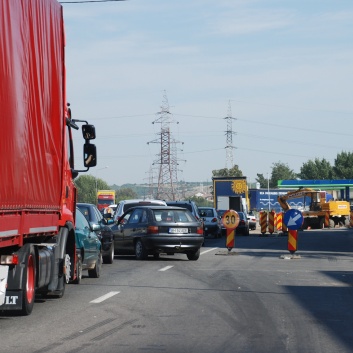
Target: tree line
[{"x": 316, "y": 169}]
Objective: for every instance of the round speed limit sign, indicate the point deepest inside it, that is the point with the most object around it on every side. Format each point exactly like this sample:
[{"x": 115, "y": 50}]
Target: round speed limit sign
[{"x": 230, "y": 219}]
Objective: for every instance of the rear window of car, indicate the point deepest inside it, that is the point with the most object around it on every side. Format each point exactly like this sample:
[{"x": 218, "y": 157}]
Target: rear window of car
[
  {"x": 180, "y": 204},
  {"x": 241, "y": 215},
  {"x": 206, "y": 212},
  {"x": 85, "y": 211},
  {"x": 127, "y": 206},
  {"x": 81, "y": 221},
  {"x": 173, "y": 216}
]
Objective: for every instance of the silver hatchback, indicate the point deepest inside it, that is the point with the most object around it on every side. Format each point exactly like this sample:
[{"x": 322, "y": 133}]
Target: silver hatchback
[{"x": 211, "y": 221}]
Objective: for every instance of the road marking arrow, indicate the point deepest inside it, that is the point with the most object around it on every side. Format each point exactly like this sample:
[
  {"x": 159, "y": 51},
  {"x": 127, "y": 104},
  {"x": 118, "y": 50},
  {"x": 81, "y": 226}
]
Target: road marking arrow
[{"x": 292, "y": 221}]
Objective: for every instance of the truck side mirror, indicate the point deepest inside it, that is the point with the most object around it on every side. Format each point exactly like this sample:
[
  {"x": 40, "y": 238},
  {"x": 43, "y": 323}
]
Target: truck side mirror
[
  {"x": 88, "y": 132},
  {"x": 89, "y": 155}
]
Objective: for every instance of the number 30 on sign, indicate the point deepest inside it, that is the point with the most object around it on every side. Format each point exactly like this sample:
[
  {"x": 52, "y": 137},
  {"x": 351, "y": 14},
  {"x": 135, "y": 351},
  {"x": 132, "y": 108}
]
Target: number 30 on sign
[{"x": 230, "y": 219}]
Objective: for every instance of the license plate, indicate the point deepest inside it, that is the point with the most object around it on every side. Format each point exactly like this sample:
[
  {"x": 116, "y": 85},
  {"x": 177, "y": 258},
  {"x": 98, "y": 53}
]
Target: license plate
[{"x": 178, "y": 230}]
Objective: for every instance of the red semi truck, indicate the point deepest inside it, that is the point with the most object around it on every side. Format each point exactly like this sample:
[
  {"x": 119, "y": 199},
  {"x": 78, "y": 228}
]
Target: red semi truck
[
  {"x": 37, "y": 193},
  {"x": 105, "y": 198}
]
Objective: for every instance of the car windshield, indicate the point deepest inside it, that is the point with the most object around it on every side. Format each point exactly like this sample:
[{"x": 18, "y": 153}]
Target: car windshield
[
  {"x": 173, "y": 216},
  {"x": 220, "y": 213}
]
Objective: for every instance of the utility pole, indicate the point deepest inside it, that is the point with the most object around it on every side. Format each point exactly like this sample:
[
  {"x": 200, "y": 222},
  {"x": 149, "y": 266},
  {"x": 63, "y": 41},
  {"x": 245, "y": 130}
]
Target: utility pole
[{"x": 229, "y": 138}]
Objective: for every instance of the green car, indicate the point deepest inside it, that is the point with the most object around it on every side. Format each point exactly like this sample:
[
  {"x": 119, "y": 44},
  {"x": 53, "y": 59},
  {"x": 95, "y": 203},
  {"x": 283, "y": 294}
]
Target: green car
[{"x": 88, "y": 248}]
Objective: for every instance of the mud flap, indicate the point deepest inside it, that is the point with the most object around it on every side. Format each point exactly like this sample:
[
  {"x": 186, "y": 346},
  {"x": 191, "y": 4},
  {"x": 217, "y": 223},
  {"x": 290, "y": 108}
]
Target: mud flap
[{"x": 4, "y": 270}]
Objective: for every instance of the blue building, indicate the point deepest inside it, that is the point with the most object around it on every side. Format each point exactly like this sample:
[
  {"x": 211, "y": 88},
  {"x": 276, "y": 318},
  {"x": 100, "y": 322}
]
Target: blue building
[{"x": 266, "y": 199}]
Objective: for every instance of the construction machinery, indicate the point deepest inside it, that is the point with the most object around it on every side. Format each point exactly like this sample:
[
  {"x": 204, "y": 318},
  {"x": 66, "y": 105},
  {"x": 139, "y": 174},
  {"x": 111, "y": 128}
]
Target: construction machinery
[{"x": 316, "y": 208}]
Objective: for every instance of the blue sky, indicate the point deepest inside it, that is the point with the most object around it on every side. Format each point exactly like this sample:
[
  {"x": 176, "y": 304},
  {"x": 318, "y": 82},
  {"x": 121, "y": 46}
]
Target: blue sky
[{"x": 285, "y": 68}]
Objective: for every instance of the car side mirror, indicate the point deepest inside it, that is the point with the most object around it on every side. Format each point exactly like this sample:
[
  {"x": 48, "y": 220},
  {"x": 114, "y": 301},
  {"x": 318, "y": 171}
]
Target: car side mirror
[{"x": 95, "y": 226}]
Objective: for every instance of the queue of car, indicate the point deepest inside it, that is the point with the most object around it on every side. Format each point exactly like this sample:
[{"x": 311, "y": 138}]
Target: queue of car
[
  {"x": 100, "y": 225},
  {"x": 146, "y": 228}
]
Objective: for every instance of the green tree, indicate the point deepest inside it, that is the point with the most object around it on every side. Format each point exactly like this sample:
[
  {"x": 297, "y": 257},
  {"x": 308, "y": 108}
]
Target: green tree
[
  {"x": 343, "y": 167},
  {"x": 262, "y": 180},
  {"x": 87, "y": 186},
  {"x": 281, "y": 171},
  {"x": 225, "y": 172},
  {"x": 200, "y": 201},
  {"x": 316, "y": 169},
  {"x": 125, "y": 194}
]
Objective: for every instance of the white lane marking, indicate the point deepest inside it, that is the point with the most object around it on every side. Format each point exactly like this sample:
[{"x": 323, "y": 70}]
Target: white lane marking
[
  {"x": 165, "y": 268},
  {"x": 104, "y": 297},
  {"x": 204, "y": 252}
]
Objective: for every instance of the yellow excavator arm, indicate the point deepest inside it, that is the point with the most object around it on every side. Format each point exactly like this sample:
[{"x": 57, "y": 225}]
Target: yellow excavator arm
[{"x": 282, "y": 200}]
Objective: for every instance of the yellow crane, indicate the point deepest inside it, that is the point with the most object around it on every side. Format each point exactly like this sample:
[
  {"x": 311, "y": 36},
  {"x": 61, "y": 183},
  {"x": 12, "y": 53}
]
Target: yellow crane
[{"x": 314, "y": 214}]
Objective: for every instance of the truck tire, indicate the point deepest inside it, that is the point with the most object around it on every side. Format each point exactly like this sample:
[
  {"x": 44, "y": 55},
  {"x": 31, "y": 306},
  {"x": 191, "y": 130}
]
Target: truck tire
[
  {"x": 64, "y": 278},
  {"x": 321, "y": 222},
  {"x": 29, "y": 282}
]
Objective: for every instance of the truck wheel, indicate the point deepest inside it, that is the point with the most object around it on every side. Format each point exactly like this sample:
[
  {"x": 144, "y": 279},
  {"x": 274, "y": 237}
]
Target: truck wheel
[
  {"x": 28, "y": 283},
  {"x": 331, "y": 223},
  {"x": 322, "y": 223},
  {"x": 346, "y": 221},
  {"x": 96, "y": 272},
  {"x": 108, "y": 259},
  {"x": 64, "y": 278}
]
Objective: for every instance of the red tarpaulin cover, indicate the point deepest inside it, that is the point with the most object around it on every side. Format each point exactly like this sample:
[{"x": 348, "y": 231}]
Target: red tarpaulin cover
[{"x": 31, "y": 103}]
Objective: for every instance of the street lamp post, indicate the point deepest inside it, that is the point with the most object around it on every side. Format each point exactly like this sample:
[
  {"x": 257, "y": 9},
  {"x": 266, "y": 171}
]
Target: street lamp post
[
  {"x": 268, "y": 193},
  {"x": 97, "y": 179}
]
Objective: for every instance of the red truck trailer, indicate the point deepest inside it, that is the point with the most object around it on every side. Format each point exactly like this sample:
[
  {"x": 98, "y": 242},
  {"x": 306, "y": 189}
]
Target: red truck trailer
[{"x": 37, "y": 193}]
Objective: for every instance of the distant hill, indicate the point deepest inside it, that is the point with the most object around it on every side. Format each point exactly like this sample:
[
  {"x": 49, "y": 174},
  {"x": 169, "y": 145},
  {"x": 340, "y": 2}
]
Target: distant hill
[{"x": 186, "y": 189}]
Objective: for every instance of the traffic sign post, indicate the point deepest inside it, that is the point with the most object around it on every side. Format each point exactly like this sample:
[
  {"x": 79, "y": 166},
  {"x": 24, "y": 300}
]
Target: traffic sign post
[
  {"x": 292, "y": 241},
  {"x": 230, "y": 220},
  {"x": 293, "y": 219}
]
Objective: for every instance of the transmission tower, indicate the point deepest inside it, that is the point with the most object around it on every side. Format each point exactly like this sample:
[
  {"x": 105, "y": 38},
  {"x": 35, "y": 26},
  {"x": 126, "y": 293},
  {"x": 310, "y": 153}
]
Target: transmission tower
[
  {"x": 151, "y": 184},
  {"x": 167, "y": 158},
  {"x": 229, "y": 138}
]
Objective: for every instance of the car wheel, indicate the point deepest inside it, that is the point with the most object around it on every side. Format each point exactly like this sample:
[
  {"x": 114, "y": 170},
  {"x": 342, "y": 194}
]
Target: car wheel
[
  {"x": 194, "y": 256},
  {"x": 140, "y": 250},
  {"x": 78, "y": 271},
  {"x": 108, "y": 259},
  {"x": 96, "y": 272}
]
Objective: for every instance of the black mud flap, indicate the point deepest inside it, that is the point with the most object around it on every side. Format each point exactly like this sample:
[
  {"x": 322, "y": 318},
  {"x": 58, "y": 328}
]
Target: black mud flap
[{"x": 13, "y": 301}]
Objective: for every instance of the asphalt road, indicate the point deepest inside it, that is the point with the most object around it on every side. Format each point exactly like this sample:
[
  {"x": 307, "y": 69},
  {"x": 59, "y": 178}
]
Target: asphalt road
[{"x": 251, "y": 300}]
